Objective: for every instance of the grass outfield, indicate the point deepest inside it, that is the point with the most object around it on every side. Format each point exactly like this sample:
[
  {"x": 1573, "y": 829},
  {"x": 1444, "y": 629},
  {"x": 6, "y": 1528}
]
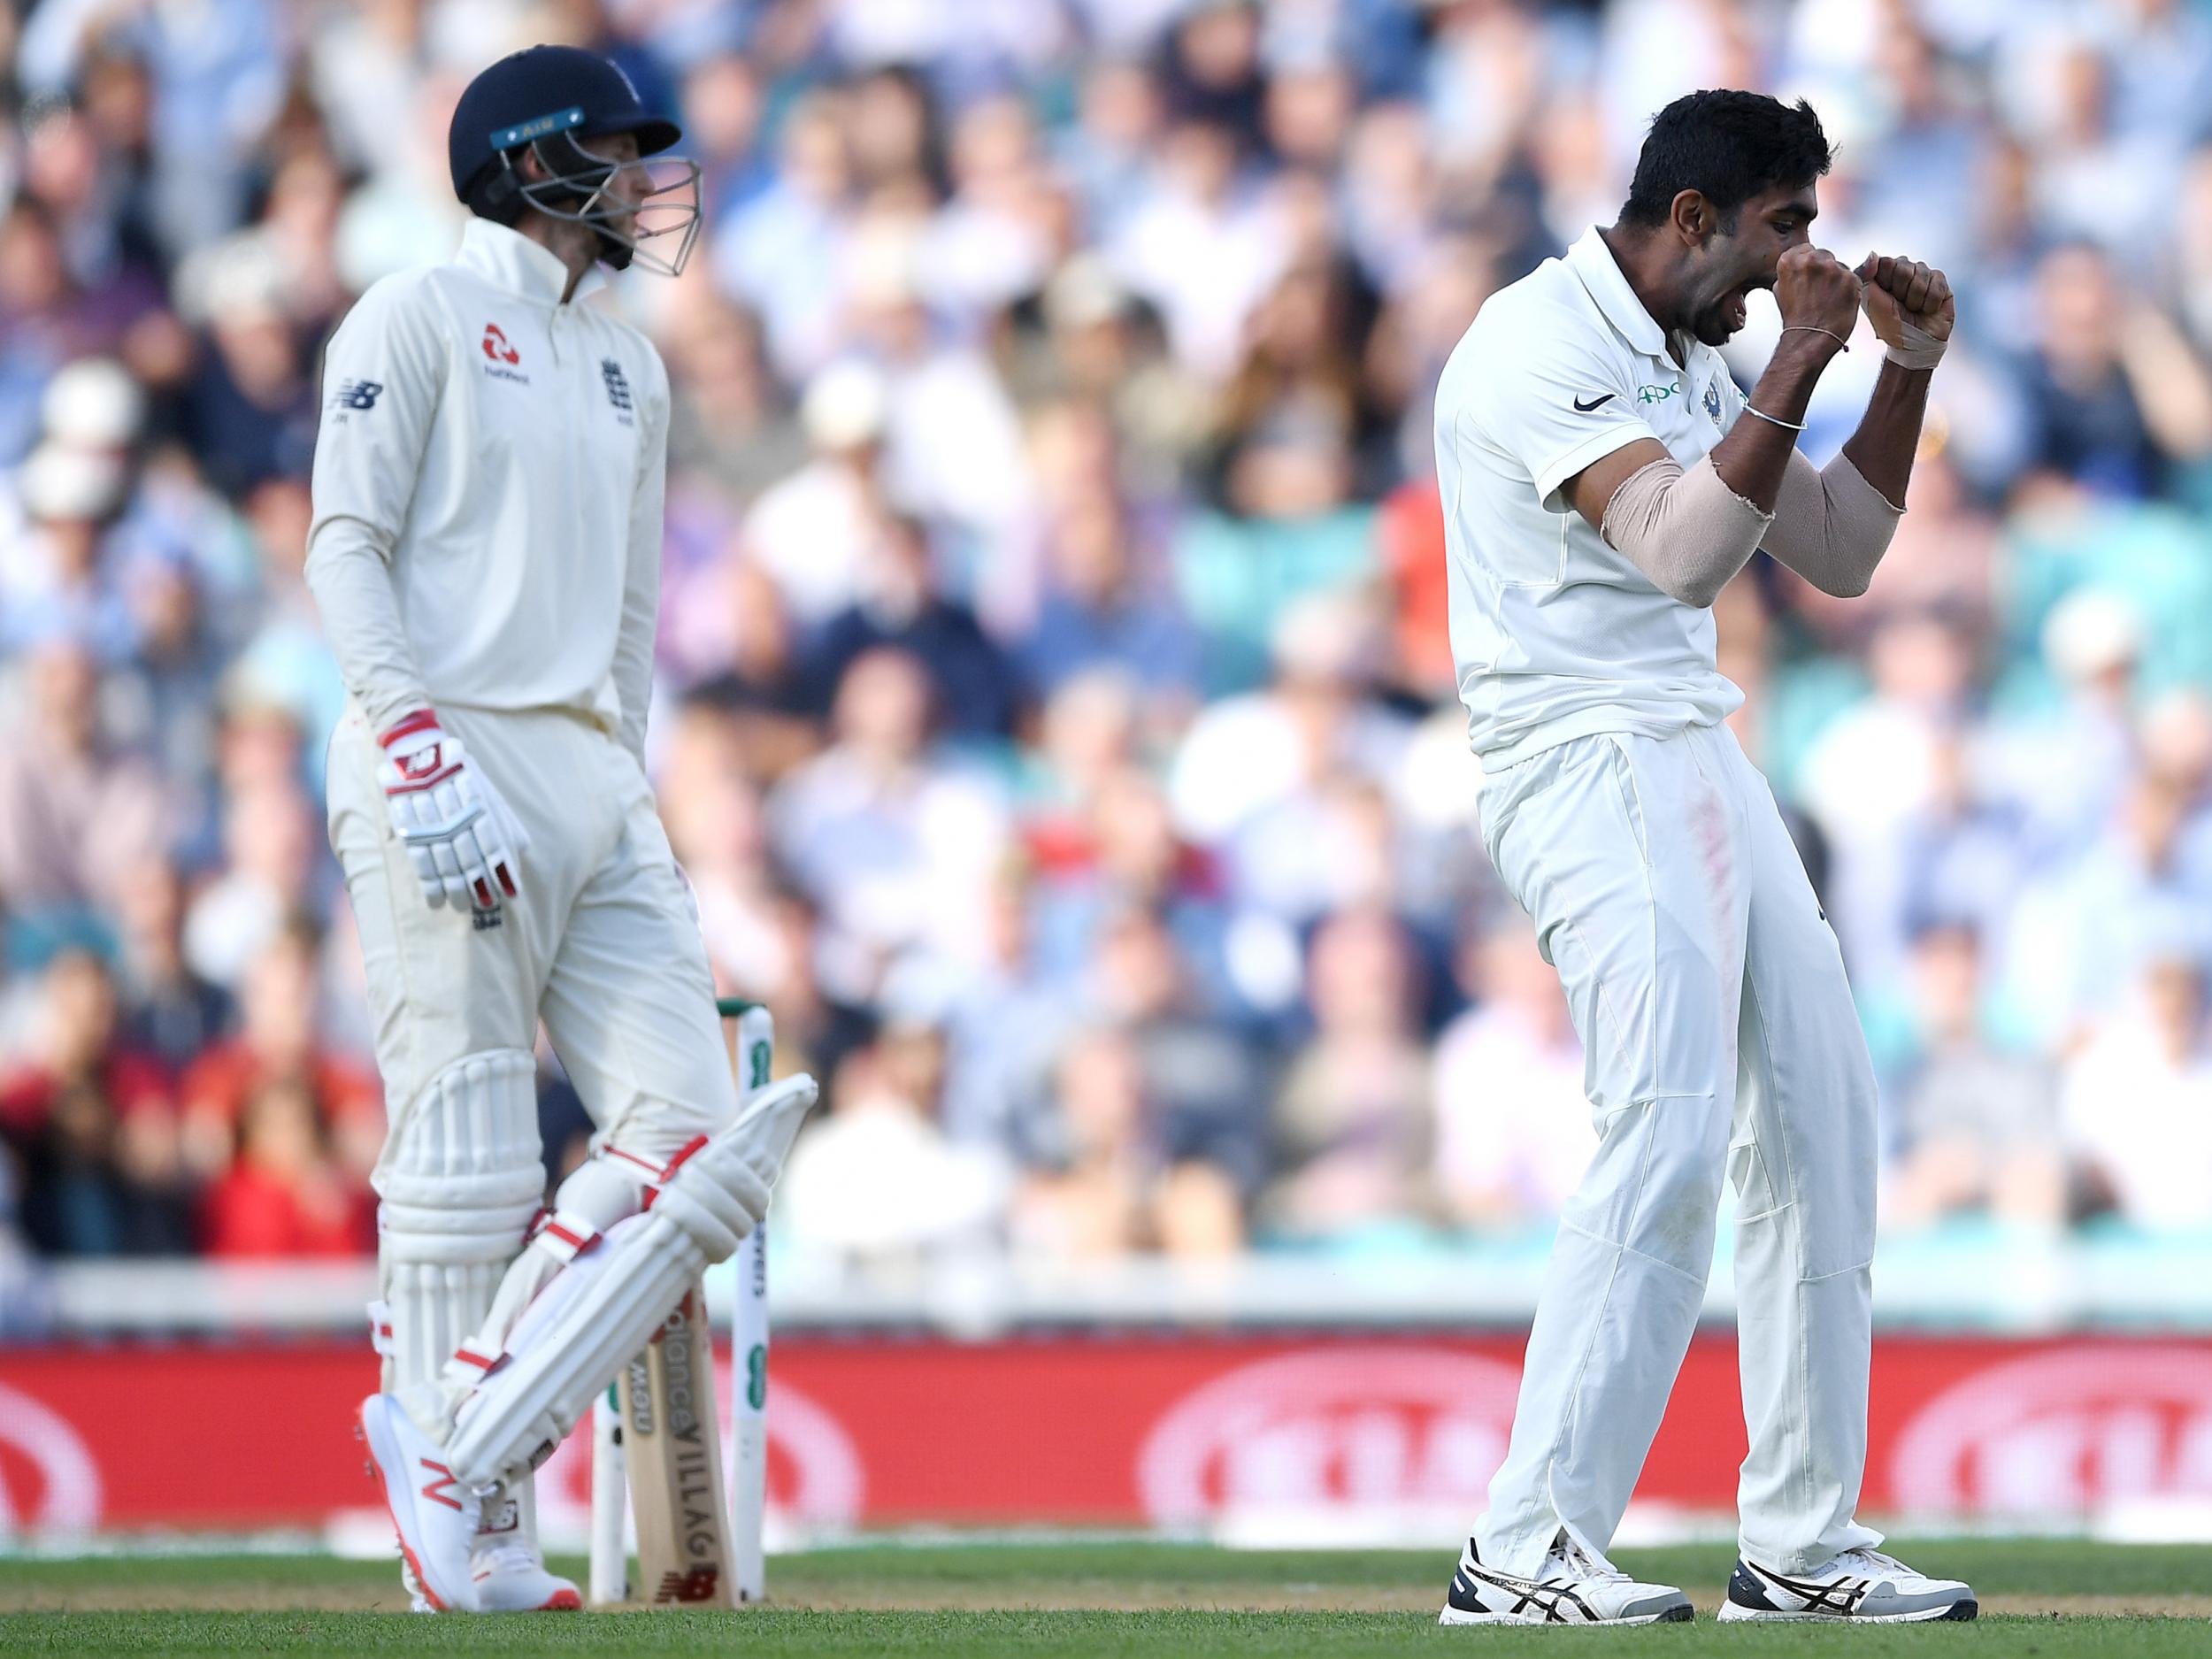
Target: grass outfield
[{"x": 2050, "y": 1599}]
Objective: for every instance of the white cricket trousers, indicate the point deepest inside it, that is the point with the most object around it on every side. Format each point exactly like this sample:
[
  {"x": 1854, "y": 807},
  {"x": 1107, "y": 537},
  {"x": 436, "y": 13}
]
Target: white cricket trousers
[
  {"x": 603, "y": 941},
  {"x": 1720, "y": 1038}
]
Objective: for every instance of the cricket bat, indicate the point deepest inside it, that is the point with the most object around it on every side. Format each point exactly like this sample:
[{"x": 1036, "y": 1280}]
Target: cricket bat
[
  {"x": 671, "y": 1440},
  {"x": 696, "y": 1548}
]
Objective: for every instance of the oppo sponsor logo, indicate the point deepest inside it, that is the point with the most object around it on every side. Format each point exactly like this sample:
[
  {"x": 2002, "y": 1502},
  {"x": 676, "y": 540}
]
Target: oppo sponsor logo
[
  {"x": 2063, "y": 1433},
  {"x": 1369, "y": 1428},
  {"x": 62, "y": 1492}
]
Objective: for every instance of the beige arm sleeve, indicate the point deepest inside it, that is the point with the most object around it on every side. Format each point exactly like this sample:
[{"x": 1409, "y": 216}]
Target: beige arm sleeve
[
  {"x": 1686, "y": 530},
  {"x": 1831, "y": 525}
]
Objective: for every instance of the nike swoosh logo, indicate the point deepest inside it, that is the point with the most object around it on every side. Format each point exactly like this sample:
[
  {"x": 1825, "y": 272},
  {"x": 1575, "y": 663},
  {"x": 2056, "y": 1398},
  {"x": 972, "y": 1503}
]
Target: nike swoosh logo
[{"x": 1582, "y": 408}]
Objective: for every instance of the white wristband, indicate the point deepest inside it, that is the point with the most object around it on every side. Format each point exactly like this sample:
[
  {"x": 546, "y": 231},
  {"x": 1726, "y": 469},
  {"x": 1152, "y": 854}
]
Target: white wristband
[{"x": 1919, "y": 349}]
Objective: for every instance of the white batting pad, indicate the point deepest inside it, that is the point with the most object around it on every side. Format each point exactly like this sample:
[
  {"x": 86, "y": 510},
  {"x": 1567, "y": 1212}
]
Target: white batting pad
[
  {"x": 604, "y": 1306},
  {"x": 608, "y": 1187},
  {"x": 460, "y": 1180}
]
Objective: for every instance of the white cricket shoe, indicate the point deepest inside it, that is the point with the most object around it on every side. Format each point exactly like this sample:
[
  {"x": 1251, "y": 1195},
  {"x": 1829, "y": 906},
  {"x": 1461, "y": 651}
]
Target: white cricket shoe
[
  {"x": 1574, "y": 1586},
  {"x": 435, "y": 1516},
  {"x": 1862, "y": 1586},
  {"x": 507, "y": 1567},
  {"x": 511, "y": 1578}
]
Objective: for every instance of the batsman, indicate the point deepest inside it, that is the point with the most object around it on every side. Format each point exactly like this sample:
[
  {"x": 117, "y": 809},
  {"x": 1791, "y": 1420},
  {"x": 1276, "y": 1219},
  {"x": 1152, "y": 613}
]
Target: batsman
[
  {"x": 1603, "y": 478},
  {"x": 484, "y": 553}
]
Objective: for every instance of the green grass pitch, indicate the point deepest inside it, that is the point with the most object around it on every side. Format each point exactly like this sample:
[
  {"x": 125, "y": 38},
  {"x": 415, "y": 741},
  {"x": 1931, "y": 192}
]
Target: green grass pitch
[{"x": 2045, "y": 1599}]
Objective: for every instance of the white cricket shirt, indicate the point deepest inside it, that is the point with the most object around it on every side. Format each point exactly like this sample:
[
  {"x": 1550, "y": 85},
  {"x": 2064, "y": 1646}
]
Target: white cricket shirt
[
  {"x": 504, "y": 453},
  {"x": 1557, "y": 636}
]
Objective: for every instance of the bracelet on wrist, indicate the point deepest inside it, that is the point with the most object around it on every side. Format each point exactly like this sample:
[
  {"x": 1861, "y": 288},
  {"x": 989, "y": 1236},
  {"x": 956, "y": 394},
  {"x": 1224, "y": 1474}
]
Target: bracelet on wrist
[
  {"x": 1775, "y": 420},
  {"x": 1815, "y": 328}
]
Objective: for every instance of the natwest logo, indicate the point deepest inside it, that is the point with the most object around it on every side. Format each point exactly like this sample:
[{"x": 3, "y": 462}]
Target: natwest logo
[
  {"x": 495, "y": 346},
  {"x": 1395, "y": 1436},
  {"x": 2062, "y": 1433}
]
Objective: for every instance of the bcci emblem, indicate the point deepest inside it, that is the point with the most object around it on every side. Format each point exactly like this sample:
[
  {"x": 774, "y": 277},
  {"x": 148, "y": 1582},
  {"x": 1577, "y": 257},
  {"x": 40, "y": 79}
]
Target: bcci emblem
[{"x": 1712, "y": 401}]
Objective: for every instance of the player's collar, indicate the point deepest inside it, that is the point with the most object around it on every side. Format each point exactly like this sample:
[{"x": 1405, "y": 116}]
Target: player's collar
[
  {"x": 507, "y": 259},
  {"x": 1592, "y": 262}
]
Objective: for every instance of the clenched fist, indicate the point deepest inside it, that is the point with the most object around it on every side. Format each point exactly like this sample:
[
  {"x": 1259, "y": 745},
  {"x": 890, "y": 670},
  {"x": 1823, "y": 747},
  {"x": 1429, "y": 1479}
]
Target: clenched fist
[
  {"x": 1910, "y": 306},
  {"x": 1814, "y": 289}
]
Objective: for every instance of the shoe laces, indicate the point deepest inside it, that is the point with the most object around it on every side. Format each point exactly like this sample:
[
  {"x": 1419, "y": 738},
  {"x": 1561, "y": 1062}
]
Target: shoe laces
[
  {"x": 1588, "y": 1564},
  {"x": 511, "y": 1557},
  {"x": 1873, "y": 1560}
]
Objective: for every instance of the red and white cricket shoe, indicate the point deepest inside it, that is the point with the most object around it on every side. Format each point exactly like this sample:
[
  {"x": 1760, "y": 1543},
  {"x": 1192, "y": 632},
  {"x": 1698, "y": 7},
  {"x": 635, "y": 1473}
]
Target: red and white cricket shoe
[
  {"x": 436, "y": 1517},
  {"x": 507, "y": 1566},
  {"x": 510, "y": 1577}
]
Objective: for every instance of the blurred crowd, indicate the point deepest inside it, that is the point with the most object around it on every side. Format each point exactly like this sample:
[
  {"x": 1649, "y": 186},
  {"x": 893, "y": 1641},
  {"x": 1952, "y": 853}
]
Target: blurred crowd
[{"x": 1053, "y": 708}]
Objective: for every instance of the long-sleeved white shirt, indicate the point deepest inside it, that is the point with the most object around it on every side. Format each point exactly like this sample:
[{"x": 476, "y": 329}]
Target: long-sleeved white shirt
[{"x": 488, "y": 486}]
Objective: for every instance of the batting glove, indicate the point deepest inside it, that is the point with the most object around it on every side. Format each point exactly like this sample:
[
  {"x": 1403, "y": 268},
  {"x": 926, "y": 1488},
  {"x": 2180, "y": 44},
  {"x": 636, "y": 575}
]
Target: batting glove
[{"x": 460, "y": 833}]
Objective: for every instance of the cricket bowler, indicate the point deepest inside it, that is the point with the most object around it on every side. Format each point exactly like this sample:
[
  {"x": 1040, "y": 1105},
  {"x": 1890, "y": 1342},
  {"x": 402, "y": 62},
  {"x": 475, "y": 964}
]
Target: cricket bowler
[
  {"x": 1602, "y": 479},
  {"x": 486, "y": 557}
]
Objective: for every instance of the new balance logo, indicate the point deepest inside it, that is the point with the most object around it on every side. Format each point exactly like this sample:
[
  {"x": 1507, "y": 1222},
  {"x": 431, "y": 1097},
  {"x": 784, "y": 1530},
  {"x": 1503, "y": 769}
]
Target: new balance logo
[
  {"x": 356, "y": 394},
  {"x": 440, "y": 1490},
  {"x": 425, "y": 765},
  {"x": 698, "y": 1584}
]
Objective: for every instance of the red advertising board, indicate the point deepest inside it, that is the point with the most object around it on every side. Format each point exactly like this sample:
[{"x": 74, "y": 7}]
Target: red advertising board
[{"x": 1176, "y": 1432}]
